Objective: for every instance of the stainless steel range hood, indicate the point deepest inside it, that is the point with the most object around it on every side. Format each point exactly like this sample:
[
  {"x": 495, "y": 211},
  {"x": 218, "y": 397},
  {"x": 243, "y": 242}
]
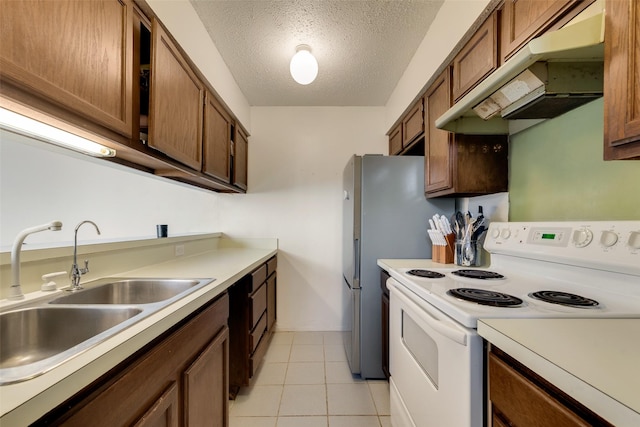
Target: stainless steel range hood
[{"x": 552, "y": 74}]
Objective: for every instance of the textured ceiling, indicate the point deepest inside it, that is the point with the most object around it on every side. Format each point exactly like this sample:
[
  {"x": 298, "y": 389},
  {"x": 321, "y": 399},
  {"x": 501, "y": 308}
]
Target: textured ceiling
[{"x": 362, "y": 47}]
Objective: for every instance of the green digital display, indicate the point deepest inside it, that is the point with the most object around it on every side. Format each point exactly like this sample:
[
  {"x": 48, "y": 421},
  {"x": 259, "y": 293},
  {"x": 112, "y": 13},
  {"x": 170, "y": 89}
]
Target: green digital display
[{"x": 548, "y": 236}]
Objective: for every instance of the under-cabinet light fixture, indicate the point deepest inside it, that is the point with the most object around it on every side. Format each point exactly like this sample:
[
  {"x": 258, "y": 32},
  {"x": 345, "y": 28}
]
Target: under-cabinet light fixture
[
  {"x": 24, "y": 125},
  {"x": 303, "y": 67}
]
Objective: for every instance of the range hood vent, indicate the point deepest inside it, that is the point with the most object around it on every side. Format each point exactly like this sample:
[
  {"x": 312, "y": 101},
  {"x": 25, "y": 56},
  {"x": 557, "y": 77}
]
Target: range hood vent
[{"x": 551, "y": 75}]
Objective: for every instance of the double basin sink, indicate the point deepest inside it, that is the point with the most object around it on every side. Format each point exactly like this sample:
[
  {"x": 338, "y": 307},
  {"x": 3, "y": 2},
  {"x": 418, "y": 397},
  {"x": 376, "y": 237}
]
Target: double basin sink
[{"x": 40, "y": 337}]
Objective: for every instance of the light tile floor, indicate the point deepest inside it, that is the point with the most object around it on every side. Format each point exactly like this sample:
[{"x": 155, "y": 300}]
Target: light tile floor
[{"x": 304, "y": 381}]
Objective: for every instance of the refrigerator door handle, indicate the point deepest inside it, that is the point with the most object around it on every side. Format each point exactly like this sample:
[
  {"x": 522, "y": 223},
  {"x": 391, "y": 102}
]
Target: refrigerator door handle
[{"x": 356, "y": 264}]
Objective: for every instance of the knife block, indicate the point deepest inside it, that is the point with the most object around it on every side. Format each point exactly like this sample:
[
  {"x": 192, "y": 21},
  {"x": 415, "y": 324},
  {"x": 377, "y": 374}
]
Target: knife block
[{"x": 444, "y": 254}]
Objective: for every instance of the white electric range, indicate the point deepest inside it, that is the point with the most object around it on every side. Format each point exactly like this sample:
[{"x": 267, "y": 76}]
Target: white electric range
[{"x": 436, "y": 356}]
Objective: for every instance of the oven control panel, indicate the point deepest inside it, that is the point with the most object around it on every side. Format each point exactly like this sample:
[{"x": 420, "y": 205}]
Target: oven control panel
[{"x": 605, "y": 243}]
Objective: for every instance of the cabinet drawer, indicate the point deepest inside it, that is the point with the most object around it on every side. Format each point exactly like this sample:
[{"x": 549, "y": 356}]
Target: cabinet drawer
[
  {"x": 258, "y": 277},
  {"x": 272, "y": 265},
  {"x": 257, "y": 305},
  {"x": 256, "y": 334},
  {"x": 522, "y": 401},
  {"x": 258, "y": 355}
]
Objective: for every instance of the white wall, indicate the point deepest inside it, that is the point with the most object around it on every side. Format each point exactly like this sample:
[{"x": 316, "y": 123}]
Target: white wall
[
  {"x": 296, "y": 159},
  {"x": 454, "y": 18},
  {"x": 40, "y": 183}
]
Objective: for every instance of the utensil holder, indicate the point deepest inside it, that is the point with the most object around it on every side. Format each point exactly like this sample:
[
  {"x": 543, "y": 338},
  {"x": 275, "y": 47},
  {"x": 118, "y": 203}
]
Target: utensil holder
[
  {"x": 468, "y": 253},
  {"x": 444, "y": 254}
]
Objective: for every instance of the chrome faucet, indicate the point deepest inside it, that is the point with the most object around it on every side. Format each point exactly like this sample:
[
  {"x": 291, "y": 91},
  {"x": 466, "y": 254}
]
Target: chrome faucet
[
  {"x": 15, "y": 291},
  {"x": 76, "y": 271}
]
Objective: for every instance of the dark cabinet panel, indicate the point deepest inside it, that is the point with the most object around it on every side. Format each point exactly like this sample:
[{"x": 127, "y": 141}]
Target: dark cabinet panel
[
  {"x": 216, "y": 140},
  {"x": 477, "y": 59},
  {"x": 77, "y": 55},
  {"x": 395, "y": 140},
  {"x": 413, "y": 124},
  {"x": 240, "y": 158},
  {"x": 457, "y": 164},
  {"x": 182, "y": 376},
  {"x": 523, "y": 20},
  {"x": 252, "y": 323},
  {"x": 622, "y": 80},
  {"x": 176, "y": 102},
  {"x": 519, "y": 397}
]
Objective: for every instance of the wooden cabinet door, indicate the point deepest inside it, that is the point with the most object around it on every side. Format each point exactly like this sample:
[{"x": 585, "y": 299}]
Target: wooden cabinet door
[
  {"x": 395, "y": 140},
  {"x": 240, "y": 152},
  {"x": 477, "y": 59},
  {"x": 438, "y": 143},
  {"x": 523, "y": 20},
  {"x": 622, "y": 80},
  {"x": 74, "y": 54},
  {"x": 206, "y": 385},
  {"x": 147, "y": 390},
  {"x": 176, "y": 102},
  {"x": 413, "y": 123},
  {"x": 164, "y": 413},
  {"x": 216, "y": 140}
]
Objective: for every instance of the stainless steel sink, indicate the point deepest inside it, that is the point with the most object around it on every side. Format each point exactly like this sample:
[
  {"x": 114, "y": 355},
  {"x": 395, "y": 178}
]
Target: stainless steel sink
[
  {"x": 41, "y": 336},
  {"x": 33, "y": 340},
  {"x": 131, "y": 291}
]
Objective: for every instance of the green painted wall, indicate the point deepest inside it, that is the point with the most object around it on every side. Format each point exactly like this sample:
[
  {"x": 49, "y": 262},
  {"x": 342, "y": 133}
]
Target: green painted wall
[{"x": 556, "y": 172}]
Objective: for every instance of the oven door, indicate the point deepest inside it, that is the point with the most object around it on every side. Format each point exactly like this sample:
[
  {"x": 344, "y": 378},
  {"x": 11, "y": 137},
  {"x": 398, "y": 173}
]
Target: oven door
[{"x": 435, "y": 364}]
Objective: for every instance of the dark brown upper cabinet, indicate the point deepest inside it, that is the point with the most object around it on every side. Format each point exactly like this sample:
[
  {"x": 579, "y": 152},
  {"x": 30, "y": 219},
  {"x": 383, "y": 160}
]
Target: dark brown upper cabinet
[
  {"x": 477, "y": 59},
  {"x": 621, "y": 83},
  {"x": 240, "y": 158},
  {"x": 456, "y": 164},
  {"x": 176, "y": 102},
  {"x": 413, "y": 124},
  {"x": 218, "y": 126},
  {"x": 70, "y": 59},
  {"x": 523, "y": 20}
]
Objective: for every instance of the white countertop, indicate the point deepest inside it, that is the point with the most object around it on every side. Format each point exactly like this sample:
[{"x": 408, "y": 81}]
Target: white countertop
[
  {"x": 595, "y": 361},
  {"x": 391, "y": 264},
  {"x": 24, "y": 402}
]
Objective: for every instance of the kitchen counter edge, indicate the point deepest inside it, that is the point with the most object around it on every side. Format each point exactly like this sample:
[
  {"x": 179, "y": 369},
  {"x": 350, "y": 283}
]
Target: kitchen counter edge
[
  {"x": 531, "y": 342},
  {"x": 25, "y": 402}
]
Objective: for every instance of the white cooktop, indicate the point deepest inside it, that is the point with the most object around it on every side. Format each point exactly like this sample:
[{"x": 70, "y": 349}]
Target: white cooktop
[{"x": 596, "y": 260}]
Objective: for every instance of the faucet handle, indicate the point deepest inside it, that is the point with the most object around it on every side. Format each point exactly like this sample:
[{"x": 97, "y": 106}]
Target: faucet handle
[{"x": 85, "y": 270}]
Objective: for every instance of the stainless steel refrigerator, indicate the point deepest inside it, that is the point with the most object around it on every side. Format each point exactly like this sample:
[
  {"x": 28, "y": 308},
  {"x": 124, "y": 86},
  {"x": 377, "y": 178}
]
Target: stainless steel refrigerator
[{"x": 385, "y": 215}]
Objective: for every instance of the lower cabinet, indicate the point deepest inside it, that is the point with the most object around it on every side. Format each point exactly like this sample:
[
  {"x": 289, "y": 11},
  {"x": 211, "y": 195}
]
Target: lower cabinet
[
  {"x": 251, "y": 324},
  {"x": 385, "y": 322},
  {"x": 519, "y": 397},
  {"x": 181, "y": 380}
]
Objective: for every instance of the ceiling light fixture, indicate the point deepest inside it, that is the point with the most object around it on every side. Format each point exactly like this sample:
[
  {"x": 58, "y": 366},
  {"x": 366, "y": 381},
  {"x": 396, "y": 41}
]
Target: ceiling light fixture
[
  {"x": 27, "y": 126},
  {"x": 303, "y": 67}
]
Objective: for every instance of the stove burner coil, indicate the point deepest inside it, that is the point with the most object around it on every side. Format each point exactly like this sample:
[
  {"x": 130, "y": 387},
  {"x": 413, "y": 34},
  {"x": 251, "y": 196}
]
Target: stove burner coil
[
  {"x": 485, "y": 297},
  {"x": 426, "y": 273},
  {"x": 564, "y": 298},
  {"x": 478, "y": 274}
]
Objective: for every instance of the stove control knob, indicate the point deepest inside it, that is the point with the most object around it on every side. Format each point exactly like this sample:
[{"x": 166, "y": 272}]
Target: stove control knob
[
  {"x": 495, "y": 233},
  {"x": 582, "y": 237},
  {"x": 608, "y": 238},
  {"x": 505, "y": 233},
  {"x": 634, "y": 240}
]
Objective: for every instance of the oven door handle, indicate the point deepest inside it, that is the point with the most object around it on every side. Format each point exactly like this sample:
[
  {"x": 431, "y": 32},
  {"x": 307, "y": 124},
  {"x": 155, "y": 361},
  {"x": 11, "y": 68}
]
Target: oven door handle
[{"x": 441, "y": 324}]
